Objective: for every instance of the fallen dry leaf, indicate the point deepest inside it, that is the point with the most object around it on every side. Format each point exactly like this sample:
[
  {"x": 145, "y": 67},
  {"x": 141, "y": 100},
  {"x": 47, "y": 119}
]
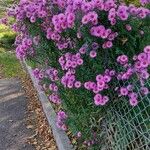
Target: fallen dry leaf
[
  {"x": 30, "y": 127},
  {"x": 42, "y": 138}
]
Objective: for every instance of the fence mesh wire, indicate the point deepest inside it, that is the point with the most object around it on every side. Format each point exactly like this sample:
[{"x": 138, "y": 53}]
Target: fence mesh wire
[{"x": 126, "y": 127}]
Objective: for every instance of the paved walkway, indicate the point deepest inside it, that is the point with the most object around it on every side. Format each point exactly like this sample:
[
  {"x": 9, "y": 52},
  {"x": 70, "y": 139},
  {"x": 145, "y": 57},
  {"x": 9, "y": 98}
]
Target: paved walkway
[{"x": 13, "y": 115}]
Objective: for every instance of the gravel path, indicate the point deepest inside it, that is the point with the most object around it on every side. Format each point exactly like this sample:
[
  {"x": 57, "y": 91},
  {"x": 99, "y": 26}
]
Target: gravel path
[{"x": 13, "y": 115}]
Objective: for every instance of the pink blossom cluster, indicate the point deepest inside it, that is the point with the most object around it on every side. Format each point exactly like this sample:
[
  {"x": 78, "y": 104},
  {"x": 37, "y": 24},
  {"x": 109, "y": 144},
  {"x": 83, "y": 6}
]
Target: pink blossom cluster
[
  {"x": 52, "y": 74},
  {"x": 133, "y": 96},
  {"x": 53, "y": 87},
  {"x": 112, "y": 16},
  {"x": 100, "y": 85},
  {"x": 54, "y": 97},
  {"x": 20, "y": 28},
  {"x": 60, "y": 42},
  {"x": 70, "y": 61},
  {"x": 38, "y": 74},
  {"x": 122, "y": 12},
  {"x": 140, "y": 12},
  {"x": 140, "y": 66},
  {"x": 56, "y": 23},
  {"x": 93, "y": 49},
  {"x": 142, "y": 63},
  {"x": 102, "y": 32},
  {"x": 60, "y": 120},
  {"x": 24, "y": 47},
  {"x": 69, "y": 80},
  {"x": 64, "y": 44},
  {"x": 124, "y": 75},
  {"x": 52, "y": 35},
  {"x": 63, "y": 21},
  {"x": 140, "y": 69},
  {"x": 100, "y": 100},
  {"x": 23, "y": 42},
  {"x": 90, "y": 17},
  {"x": 60, "y": 3},
  {"x": 29, "y": 9},
  {"x": 101, "y": 82}
]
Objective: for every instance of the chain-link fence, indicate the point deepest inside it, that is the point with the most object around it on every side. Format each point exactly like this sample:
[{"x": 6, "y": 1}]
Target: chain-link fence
[{"x": 125, "y": 127}]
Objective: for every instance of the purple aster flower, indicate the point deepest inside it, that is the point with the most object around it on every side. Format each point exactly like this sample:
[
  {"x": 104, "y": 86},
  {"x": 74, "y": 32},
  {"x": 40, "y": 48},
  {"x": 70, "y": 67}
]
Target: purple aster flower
[
  {"x": 77, "y": 84},
  {"x": 144, "y": 90},
  {"x": 133, "y": 102},
  {"x": 123, "y": 91},
  {"x": 93, "y": 54}
]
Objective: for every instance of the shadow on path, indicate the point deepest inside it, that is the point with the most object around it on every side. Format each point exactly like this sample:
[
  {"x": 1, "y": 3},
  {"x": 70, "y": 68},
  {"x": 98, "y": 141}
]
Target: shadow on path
[{"x": 13, "y": 116}]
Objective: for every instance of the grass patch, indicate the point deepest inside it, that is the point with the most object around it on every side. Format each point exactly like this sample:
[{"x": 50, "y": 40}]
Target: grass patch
[
  {"x": 9, "y": 65},
  {"x": 7, "y": 37},
  {"x": 135, "y": 2},
  {"x": 5, "y": 30}
]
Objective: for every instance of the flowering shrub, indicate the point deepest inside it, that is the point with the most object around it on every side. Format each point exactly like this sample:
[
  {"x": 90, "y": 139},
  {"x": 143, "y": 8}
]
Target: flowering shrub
[{"x": 89, "y": 53}]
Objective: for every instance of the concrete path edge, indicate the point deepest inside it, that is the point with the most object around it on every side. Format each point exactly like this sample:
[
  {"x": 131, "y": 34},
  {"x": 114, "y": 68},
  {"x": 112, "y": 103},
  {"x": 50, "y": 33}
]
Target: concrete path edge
[{"x": 61, "y": 138}]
